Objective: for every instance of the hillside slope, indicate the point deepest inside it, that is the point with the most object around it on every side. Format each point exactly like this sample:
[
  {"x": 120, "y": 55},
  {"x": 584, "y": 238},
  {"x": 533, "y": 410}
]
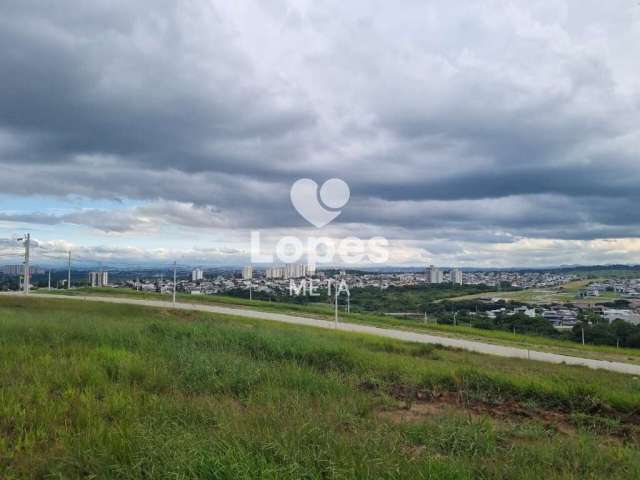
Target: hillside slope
[{"x": 117, "y": 391}]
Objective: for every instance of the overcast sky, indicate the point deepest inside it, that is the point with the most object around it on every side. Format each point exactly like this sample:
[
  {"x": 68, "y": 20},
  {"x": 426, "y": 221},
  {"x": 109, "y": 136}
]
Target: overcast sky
[{"x": 488, "y": 133}]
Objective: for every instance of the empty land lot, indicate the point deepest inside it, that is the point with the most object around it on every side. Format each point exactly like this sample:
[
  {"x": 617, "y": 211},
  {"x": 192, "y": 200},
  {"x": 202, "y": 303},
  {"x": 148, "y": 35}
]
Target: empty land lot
[{"x": 119, "y": 391}]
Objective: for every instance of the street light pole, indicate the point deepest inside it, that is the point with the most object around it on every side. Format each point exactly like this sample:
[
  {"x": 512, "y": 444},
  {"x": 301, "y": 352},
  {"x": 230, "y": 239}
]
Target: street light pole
[
  {"x": 69, "y": 272},
  {"x": 27, "y": 269},
  {"x": 175, "y": 267}
]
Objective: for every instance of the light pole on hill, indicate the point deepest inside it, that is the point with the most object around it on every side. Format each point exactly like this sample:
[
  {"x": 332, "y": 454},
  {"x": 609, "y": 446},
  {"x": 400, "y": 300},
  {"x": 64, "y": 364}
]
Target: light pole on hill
[
  {"x": 27, "y": 269},
  {"x": 175, "y": 275},
  {"x": 69, "y": 272}
]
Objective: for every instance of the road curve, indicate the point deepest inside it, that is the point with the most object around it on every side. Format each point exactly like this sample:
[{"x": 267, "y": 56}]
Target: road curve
[{"x": 471, "y": 345}]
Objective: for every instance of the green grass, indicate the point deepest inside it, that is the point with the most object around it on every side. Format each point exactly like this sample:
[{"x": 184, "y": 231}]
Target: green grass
[
  {"x": 533, "y": 342},
  {"x": 117, "y": 391},
  {"x": 263, "y": 305},
  {"x": 567, "y": 293}
]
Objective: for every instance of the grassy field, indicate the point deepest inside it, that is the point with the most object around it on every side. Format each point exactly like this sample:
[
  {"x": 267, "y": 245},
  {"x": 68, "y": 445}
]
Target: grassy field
[
  {"x": 533, "y": 342},
  {"x": 564, "y": 294},
  {"x": 116, "y": 391}
]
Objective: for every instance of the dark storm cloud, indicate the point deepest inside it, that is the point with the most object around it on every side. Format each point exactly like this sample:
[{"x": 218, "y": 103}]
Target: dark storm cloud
[
  {"x": 471, "y": 122},
  {"x": 495, "y": 182},
  {"x": 140, "y": 87}
]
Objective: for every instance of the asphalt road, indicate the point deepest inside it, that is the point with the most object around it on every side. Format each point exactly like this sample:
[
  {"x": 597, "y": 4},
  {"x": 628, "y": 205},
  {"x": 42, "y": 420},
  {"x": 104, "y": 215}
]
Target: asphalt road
[{"x": 471, "y": 345}]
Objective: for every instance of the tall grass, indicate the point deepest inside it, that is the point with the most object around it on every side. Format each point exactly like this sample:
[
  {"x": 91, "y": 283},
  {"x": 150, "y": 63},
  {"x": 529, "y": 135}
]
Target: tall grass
[
  {"x": 326, "y": 312},
  {"x": 115, "y": 391}
]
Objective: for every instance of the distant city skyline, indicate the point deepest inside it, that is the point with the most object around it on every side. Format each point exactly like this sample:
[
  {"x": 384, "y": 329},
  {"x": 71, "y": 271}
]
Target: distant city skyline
[{"x": 490, "y": 135}]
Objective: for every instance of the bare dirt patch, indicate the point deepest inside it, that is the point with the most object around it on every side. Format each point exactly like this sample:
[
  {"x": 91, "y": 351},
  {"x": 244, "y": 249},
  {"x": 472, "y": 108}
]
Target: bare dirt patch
[{"x": 414, "y": 406}]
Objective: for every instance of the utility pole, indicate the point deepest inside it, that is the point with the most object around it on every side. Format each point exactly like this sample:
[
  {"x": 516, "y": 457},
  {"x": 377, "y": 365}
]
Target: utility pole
[
  {"x": 27, "y": 269},
  {"x": 582, "y": 335},
  {"x": 49, "y": 279},
  {"x": 250, "y": 291},
  {"x": 69, "y": 272},
  {"x": 348, "y": 303},
  {"x": 336, "y": 310},
  {"x": 175, "y": 275}
]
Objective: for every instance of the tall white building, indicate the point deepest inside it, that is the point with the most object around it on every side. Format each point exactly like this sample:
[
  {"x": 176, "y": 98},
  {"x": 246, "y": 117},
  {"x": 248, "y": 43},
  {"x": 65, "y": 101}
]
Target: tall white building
[
  {"x": 98, "y": 279},
  {"x": 435, "y": 274},
  {"x": 295, "y": 270},
  {"x": 456, "y": 276},
  {"x": 197, "y": 275},
  {"x": 291, "y": 270},
  {"x": 274, "y": 272},
  {"x": 247, "y": 272}
]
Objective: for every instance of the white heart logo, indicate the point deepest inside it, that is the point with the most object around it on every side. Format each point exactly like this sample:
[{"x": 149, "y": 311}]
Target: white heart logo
[{"x": 319, "y": 209}]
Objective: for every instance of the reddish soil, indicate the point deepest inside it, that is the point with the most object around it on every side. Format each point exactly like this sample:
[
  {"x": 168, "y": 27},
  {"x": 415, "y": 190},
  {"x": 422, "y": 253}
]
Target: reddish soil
[{"x": 415, "y": 406}]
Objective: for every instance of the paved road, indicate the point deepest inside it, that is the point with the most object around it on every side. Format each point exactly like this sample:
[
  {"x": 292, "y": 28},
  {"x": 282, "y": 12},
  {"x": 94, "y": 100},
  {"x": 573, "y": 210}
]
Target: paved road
[{"x": 470, "y": 345}]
